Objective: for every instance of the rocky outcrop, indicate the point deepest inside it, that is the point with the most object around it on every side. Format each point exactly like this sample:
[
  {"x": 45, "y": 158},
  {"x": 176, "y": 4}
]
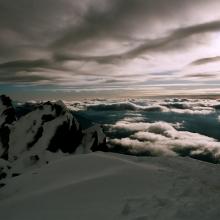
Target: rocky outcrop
[{"x": 7, "y": 117}]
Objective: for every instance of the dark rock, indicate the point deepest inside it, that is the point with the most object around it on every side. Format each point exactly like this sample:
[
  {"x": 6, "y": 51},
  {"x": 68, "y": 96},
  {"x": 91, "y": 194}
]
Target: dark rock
[
  {"x": 15, "y": 174},
  {"x": 3, "y": 175},
  {"x": 2, "y": 185},
  {"x": 7, "y": 116},
  {"x": 36, "y": 137},
  {"x": 66, "y": 138},
  {"x": 97, "y": 145}
]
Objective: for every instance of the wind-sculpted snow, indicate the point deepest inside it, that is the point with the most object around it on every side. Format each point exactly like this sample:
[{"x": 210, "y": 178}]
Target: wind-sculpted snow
[{"x": 114, "y": 187}]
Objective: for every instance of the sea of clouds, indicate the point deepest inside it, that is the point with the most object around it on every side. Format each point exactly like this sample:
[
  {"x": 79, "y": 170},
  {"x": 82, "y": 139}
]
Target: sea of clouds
[
  {"x": 156, "y": 127},
  {"x": 163, "y": 127},
  {"x": 163, "y": 139}
]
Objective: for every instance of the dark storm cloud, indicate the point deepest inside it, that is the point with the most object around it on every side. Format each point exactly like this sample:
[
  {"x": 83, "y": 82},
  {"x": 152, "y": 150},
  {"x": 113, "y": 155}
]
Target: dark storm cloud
[
  {"x": 38, "y": 36},
  {"x": 25, "y": 64},
  {"x": 22, "y": 71},
  {"x": 158, "y": 44},
  {"x": 176, "y": 35},
  {"x": 115, "y": 81},
  {"x": 206, "y": 60},
  {"x": 164, "y": 73},
  {"x": 32, "y": 71},
  {"x": 201, "y": 75},
  {"x": 28, "y": 26},
  {"x": 114, "y": 58},
  {"x": 24, "y": 76},
  {"x": 121, "y": 18},
  {"x": 33, "y": 19},
  {"x": 113, "y": 22}
]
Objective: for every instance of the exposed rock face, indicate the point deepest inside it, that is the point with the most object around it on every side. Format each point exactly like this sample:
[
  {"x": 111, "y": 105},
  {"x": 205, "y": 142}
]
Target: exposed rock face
[
  {"x": 48, "y": 132},
  {"x": 7, "y": 117},
  {"x": 4, "y": 169},
  {"x": 93, "y": 140}
]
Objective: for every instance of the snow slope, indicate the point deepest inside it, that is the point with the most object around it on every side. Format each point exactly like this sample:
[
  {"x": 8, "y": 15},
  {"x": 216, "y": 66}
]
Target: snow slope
[{"x": 115, "y": 187}]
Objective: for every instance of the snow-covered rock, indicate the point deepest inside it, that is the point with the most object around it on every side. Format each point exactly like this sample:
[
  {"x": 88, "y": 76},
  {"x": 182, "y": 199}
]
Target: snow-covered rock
[
  {"x": 7, "y": 117},
  {"x": 50, "y": 127},
  {"x": 94, "y": 139},
  {"x": 46, "y": 133}
]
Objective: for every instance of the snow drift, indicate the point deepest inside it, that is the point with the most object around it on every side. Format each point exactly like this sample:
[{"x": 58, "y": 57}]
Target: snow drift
[{"x": 112, "y": 186}]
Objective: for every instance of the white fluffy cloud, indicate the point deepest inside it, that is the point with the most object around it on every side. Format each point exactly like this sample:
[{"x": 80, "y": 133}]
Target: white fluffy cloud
[
  {"x": 137, "y": 147},
  {"x": 161, "y": 138},
  {"x": 179, "y": 106}
]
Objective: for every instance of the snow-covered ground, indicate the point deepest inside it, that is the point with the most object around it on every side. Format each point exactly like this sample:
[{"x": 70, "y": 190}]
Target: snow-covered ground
[{"x": 115, "y": 187}]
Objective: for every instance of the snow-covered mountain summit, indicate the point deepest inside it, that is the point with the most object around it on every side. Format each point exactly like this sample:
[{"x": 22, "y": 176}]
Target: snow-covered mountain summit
[{"x": 47, "y": 132}]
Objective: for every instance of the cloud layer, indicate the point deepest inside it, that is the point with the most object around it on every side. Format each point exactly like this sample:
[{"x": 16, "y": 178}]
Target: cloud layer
[
  {"x": 110, "y": 44},
  {"x": 153, "y": 127},
  {"x": 178, "y": 106},
  {"x": 162, "y": 139}
]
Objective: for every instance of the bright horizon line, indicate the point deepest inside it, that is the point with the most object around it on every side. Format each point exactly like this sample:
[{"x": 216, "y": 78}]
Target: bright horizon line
[{"x": 43, "y": 95}]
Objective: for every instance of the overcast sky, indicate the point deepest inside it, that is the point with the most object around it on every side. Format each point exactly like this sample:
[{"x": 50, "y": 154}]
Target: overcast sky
[{"x": 156, "y": 46}]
